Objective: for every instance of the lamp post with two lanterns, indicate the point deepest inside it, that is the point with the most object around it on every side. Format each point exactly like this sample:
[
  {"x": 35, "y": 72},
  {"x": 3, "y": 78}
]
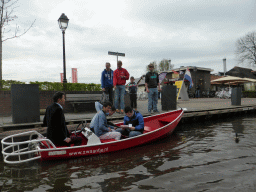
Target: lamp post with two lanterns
[{"x": 63, "y": 24}]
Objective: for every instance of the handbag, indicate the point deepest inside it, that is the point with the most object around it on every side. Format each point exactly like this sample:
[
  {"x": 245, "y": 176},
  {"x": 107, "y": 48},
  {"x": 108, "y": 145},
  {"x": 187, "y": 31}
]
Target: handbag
[{"x": 104, "y": 97}]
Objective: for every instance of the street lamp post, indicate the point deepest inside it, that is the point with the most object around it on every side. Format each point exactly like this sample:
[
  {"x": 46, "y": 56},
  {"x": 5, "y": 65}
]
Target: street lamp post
[
  {"x": 169, "y": 64},
  {"x": 195, "y": 70},
  {"x": 63, "y": 24}
]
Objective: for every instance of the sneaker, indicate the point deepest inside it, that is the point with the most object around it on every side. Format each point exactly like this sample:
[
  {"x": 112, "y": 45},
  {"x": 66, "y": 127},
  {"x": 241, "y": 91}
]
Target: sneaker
[
  {"x": 156, "y": 111},
  {"x": 117, "y": 111},
  {"x": 122, "y": 111}
]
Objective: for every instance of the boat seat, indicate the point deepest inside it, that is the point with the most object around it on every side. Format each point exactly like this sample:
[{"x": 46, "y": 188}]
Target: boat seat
[
  {"x": 148, "y": 129},
  {"x": 107, "y": 140},
  {"x": 165, "y": 120},
  {"x": 45, "y": 144}
]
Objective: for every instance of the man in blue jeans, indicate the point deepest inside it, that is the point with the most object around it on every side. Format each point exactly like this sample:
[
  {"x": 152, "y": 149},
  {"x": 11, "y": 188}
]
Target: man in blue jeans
[
  {"x": 151, "y": 83},
  {"x": 107, "y": 81},
  {"x": 119, "y": 79}
]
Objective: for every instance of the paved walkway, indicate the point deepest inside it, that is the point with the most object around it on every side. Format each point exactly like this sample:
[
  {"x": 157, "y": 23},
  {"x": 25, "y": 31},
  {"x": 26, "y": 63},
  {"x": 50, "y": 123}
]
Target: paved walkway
[{"x": 191, "y": 105}]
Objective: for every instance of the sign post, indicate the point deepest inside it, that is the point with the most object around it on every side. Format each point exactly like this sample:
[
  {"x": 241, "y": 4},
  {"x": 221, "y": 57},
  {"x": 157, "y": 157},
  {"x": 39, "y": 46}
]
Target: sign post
[{"x": 117, "y": 54}]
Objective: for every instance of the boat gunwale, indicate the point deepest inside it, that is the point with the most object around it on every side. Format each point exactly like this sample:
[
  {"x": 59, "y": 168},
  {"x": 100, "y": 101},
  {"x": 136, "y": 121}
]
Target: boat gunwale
[
  {"x": 122, "y": 140},
  {"x": 39, "y": 150}
]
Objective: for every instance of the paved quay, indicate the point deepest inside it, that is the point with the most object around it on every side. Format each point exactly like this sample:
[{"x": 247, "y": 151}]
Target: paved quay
[{"x": 194, "y": 108}]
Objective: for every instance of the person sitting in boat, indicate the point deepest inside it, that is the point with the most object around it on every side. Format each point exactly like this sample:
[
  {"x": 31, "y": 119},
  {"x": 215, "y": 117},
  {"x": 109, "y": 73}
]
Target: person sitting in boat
[
  {"x": 54, "y": 119},
  {"x": 99, "y": 106},
  {"x": 100, "y": 126},
  {"x": 133, "y": 123}
]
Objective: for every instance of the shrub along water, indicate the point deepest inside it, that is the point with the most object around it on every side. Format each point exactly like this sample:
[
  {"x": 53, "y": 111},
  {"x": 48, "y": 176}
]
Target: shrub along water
[
  {"x": 54, "y": 86},
  {"x": 249, "y": 94}
]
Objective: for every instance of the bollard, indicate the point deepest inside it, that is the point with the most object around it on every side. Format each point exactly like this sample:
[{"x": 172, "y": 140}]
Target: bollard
[
  {"x": 168, "y": 98},
  {"x": 236, "y": 96}
]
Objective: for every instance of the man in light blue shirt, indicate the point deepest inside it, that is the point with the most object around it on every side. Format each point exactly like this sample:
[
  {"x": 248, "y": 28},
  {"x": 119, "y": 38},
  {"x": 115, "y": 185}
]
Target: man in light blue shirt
[
  {"x": 100, "y": 126},
  {"x": 99, "y": 106}
]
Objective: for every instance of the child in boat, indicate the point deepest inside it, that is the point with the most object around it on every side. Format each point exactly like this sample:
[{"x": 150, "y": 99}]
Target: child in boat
[
  {"x": 100, "y": 126},
  {"x": 133, "y": 123}
]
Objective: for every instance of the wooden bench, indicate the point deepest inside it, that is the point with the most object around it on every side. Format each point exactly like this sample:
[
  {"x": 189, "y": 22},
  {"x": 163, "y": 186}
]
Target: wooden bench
[{"x": 77, "y": 99}]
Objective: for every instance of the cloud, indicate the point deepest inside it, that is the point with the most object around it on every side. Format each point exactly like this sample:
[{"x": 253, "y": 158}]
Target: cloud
[{"x": 189, "y": 32}]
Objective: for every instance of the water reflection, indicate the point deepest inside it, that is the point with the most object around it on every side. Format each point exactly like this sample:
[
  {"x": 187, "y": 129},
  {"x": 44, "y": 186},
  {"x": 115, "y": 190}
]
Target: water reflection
[
  {"x": 196, "y": 157},
  {"x": 115, "y": 171},
  {"x": 238, "y": 126}
]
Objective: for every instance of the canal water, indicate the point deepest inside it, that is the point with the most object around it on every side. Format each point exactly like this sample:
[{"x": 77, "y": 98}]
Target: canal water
[{"x": 197, "y": 157}]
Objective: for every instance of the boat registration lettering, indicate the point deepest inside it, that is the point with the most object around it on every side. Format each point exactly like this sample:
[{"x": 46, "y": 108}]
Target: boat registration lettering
[
  {"x": 90, "y": 151},
  {"x": 63, "y": 152}
]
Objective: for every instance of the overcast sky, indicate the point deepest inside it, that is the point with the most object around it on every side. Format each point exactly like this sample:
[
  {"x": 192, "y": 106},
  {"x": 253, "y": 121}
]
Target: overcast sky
[{"x": 187, "y": 32}]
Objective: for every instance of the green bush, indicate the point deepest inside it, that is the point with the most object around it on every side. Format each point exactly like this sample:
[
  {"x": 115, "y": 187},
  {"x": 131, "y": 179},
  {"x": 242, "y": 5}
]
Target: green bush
[
  {"x": 8, "y": 83},
  {"x": 249, "y": 94},
  {"x": 54, "y": 86}
]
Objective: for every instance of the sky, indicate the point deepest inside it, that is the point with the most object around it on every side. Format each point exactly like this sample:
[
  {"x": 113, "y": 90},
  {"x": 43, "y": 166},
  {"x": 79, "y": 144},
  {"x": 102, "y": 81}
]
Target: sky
[{"x": 188, "y": 32}]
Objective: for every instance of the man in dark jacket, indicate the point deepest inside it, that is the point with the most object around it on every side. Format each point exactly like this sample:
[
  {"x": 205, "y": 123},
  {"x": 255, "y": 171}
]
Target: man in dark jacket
[
  {"x": 151, "y": 83},
  {"x": 54, "y": 119},
  {"x": 132, "y": 86},
  {"x": 107, "y": 81}
]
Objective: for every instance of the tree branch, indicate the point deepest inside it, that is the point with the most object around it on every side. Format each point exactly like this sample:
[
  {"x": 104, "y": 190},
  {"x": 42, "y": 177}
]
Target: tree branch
[
  {"x": 246, "y": 48},
  {"x": 16, "y": 31}
]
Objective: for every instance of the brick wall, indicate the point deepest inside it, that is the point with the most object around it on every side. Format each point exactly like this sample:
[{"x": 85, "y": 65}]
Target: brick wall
[
  {"x": 45, "y": 98},
  {"x": 5, "y": 103}
]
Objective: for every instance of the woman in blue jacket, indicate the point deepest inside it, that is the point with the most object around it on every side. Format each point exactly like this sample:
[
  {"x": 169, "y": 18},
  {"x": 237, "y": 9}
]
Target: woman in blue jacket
[{"x": 107, "y": 81}]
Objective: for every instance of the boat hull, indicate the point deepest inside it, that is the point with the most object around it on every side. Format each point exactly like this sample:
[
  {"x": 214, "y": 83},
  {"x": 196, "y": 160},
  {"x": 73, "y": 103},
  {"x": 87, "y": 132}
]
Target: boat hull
[{"x": 155, "y": 131}]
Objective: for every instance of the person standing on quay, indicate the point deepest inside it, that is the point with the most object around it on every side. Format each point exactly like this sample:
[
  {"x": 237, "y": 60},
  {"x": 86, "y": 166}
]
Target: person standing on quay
[
  {"x": 119, "y": 80},
  {"x": 107, "y": 81},
  {"x": 132, "y": 86},
  {"x": 151, "y": 83}
]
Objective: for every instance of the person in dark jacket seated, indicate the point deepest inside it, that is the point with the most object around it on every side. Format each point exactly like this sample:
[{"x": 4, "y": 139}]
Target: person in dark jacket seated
[
  {"x": 133, "y": 123},
  {"x": 54, "y": 119}
]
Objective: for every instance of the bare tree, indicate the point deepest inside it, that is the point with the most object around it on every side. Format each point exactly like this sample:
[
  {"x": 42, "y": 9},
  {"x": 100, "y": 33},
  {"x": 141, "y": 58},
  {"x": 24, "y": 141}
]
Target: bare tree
[
  {"x": 165, "y": 65},
  {"x": 155, "y": 66},
  {"x": 246, "y": 49},
  {"x": 7, "y": 8}
]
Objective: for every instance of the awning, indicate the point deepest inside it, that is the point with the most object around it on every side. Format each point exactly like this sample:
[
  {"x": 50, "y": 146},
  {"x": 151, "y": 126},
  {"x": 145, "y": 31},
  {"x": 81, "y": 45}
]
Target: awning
[{"x": 232, "y": 80}]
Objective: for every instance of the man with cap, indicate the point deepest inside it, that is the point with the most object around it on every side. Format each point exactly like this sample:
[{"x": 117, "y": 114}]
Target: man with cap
[{"x": 151, "y": 83}]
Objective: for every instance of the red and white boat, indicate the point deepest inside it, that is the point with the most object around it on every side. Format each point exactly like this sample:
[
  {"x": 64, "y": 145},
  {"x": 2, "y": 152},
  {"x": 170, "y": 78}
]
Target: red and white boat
[{"x": 36, "y": 146}]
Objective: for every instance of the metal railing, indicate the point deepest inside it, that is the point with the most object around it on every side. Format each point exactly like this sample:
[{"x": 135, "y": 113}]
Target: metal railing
[{"x": 29, "y": 149}]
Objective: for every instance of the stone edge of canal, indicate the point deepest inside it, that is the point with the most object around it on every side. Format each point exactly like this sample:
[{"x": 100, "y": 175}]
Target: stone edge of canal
[{"x": 188, "y": 117}]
